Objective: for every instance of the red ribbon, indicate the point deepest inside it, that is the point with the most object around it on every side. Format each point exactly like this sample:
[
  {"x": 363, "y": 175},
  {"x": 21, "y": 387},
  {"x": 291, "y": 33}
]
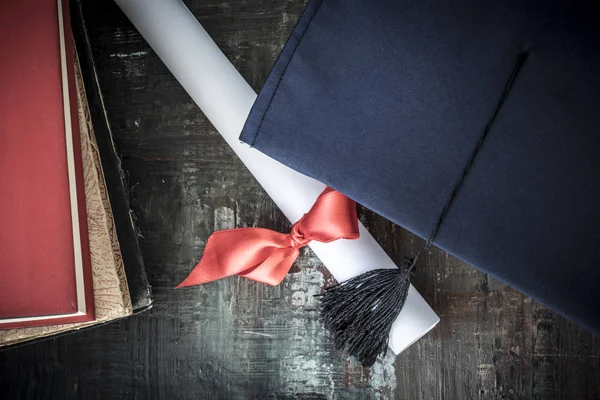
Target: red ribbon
[{"x": 266, "y": 256}]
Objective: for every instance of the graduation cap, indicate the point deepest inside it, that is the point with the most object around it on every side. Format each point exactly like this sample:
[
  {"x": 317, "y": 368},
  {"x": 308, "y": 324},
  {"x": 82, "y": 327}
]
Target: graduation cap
[{"x": 476, "y": 125}]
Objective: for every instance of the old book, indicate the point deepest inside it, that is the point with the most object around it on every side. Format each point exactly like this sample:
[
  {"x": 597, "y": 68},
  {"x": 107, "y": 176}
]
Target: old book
[{"x": 45, "y": 273}]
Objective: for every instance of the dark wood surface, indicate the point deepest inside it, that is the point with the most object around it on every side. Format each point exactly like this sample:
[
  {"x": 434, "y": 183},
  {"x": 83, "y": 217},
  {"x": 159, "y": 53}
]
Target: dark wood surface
[{"x": 237, "y": 339}]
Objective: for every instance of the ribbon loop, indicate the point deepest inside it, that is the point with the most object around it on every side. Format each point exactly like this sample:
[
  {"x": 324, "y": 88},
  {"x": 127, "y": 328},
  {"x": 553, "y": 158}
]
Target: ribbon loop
[{"x": 267, "y": 256}]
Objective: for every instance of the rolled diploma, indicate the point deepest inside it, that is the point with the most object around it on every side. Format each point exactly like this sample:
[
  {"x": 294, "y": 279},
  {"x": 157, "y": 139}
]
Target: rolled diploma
[{"x": 226, "y": 99}]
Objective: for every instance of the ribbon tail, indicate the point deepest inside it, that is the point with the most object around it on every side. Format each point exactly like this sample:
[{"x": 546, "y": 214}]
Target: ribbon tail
[
  {"x": 274, "y": 269},
  {"x": 242, "y": 251},
  {"x": 207, "y": 269}
]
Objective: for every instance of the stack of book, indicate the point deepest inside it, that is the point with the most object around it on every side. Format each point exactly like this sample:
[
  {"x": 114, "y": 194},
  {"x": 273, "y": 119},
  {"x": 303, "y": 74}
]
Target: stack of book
[{"x": 69, "y": 256}]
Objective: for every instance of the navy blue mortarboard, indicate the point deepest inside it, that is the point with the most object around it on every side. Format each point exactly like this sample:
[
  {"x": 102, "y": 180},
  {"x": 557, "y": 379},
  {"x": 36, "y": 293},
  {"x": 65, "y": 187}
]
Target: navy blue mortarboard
[{"x": 473, "y": 124}]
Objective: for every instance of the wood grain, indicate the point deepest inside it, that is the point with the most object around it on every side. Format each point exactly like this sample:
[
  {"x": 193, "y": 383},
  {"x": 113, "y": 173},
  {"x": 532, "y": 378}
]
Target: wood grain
[{"x": 236, "y": 339}]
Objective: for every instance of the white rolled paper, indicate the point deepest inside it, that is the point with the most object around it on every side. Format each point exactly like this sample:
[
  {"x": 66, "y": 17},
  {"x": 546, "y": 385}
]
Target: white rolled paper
[{"x": 226, "y": 99}]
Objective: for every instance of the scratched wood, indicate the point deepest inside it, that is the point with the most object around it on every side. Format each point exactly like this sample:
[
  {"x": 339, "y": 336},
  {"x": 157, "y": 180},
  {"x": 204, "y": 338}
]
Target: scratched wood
[{"x": 236, "y": 339}]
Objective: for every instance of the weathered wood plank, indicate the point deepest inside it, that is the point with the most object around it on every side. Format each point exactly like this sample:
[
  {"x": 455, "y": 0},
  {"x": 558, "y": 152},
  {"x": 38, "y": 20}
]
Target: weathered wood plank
[{"x": 236, "y": 339}]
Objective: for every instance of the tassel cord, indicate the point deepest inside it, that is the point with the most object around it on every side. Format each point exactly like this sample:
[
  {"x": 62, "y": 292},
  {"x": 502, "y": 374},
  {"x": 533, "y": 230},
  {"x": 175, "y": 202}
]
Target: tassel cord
[{"x": 488, "y": 127}]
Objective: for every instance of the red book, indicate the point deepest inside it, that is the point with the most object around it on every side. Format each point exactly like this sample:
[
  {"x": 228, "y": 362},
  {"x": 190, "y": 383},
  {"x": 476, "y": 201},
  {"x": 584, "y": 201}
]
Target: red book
[{"x": 45, "y": 271}]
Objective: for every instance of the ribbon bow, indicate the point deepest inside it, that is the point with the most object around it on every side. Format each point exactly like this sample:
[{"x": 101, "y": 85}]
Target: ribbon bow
[{"x": 266, "y": 256}]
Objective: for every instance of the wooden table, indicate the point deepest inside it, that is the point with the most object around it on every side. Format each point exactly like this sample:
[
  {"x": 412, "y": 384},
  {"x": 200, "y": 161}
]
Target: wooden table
[{"x": 237, "y": 339}]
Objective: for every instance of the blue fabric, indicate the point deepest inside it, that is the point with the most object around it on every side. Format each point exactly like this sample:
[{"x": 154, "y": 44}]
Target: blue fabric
[{"x": 384, "y": 101}]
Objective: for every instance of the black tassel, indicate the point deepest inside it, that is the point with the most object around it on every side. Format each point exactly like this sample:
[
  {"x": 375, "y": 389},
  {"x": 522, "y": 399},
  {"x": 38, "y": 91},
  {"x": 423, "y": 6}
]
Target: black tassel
[{"x": 359, "y": 313}]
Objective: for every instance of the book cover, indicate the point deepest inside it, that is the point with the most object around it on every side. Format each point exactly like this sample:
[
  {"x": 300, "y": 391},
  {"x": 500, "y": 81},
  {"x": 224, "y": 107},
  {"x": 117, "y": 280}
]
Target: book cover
[{"x": 45, "y": 271}]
